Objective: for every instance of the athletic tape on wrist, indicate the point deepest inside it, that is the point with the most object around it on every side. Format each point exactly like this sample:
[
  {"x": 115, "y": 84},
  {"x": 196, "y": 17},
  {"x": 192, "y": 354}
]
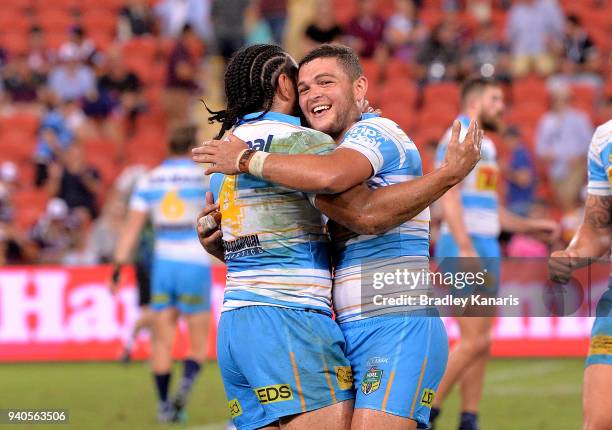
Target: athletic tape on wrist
[{"x": 256, "y": 163}]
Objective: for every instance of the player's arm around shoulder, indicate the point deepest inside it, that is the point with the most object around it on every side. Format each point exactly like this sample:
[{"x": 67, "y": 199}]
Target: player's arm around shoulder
[{"x": 311, "y": 170}]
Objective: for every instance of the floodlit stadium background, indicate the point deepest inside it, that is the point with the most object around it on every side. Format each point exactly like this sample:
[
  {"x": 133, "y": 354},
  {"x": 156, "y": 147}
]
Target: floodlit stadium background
[{"x": 137, "y": 77}]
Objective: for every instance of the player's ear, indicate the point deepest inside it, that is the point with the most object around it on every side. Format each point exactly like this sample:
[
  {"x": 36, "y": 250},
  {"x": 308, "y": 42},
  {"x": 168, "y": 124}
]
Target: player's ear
[
  {"x": 285, "y": 88},
  {"x": 360, "y": 87}
]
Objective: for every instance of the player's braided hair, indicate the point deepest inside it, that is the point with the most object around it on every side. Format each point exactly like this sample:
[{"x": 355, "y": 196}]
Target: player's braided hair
[{"x": 250, "y": 83}]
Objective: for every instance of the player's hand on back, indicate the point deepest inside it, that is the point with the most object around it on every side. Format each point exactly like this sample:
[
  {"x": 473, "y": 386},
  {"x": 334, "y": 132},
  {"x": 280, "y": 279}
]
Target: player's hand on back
[
  {"x": 461, "y": 157},
  {"x": 223, "y": 155},
  {"x": 209, "y": 228},
  {"x": 364, "y": 107}
]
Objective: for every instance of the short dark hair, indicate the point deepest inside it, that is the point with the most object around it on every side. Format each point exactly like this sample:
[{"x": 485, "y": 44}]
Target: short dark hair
[
  {"x": 182, "y": 139},
  {"x": 574, "y": 19},
  {"x": 476, "y": 84},
  {"x": 251, "y": 79},
  {"x": 346, "y": 56}
]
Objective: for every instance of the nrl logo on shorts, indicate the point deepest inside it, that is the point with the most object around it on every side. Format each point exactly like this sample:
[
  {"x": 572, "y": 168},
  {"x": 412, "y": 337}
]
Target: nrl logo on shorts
[{"x": 371, "y": 380}]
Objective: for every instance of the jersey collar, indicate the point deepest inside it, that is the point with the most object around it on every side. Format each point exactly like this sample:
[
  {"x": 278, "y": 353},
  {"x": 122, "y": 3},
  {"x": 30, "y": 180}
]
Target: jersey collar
[
  {"x": 368, "y": 115},
  {"x": 271, "y": 116}
]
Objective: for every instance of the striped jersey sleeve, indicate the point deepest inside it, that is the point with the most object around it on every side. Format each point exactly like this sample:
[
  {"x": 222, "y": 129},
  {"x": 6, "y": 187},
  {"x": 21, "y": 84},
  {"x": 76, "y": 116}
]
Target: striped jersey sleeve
[{"x": 599, "y": 161}]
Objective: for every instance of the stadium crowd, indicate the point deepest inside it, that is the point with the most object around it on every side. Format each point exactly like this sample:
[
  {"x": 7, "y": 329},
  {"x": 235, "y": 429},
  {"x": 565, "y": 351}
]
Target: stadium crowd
[{"x": 89, "y": 90}]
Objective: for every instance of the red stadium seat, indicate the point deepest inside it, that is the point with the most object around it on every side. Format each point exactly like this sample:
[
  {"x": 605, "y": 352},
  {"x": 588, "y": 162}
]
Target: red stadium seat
[
  {"x": 14, "y": 43},
  {"x": 99, "y": 20},
  {"x": 402, "y": 114},
  {"x": 447, "y": 92},
  {"x": 32, "y": 198},
  {"x": 400, "y": 90},
  {"x": 140, "y": 47},
  {"x": 24, "y": 122},
  {"x": 526, "y": 114},
  {"x": 14, "y": 22},
  {"x": 54, "y": 20},
  {"x": 17, "y": 145},
  {"x": 56, "y": 39},
  {"x": 584, "y": 95},
  {"x": 529, "y": 89},
  {"x": 397, "y": 69},
  {"x": 102, "y": 39},
  {"x": 17, "y": 5},
  {"x": 437, "y": 115},
  {"x": 344, "y": 10}
]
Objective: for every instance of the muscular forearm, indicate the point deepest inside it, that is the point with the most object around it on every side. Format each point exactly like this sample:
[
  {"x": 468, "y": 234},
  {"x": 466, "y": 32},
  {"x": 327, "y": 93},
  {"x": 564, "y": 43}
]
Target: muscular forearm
[
  {"x": 589, "y": 242},
  {"x": 367, "y": 211},
  {"x": 129, "y": 236},
  {"x": 321, "y": 174},
  {"x": 512, "y": 223}
]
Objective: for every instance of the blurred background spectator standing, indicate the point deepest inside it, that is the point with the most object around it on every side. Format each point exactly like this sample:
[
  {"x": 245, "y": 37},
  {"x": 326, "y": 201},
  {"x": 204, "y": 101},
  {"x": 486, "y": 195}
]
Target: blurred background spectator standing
[
  {"x": 519, "y": 172},
  {"x": 323, "y": 28},
  {"x": 562, "y": 141}
]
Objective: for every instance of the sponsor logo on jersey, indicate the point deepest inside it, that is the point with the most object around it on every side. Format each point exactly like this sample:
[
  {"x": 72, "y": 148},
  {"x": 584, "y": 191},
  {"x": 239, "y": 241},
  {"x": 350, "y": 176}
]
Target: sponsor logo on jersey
[
  {"x": 375, "y": 361},
  {"x": 344, "y": 376},
  {"x": 428, "y": 397},
  {"x": 371, "y": 380},
  {"x": 242, "y": 247},
  {"x": 235, "y": 409},
  {"x": 601, "y": 344},
  {"x": 260, "y": 144},
  {"x": 274, "y": 393}
]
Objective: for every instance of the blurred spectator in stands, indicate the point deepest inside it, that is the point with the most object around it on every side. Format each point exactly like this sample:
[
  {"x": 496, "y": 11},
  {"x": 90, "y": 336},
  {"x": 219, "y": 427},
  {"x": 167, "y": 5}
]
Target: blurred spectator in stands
[
  {"x": 19, "y": 81},
  {"x": 74, "y": 181},
  {"x": 562, "y": 140},
  {"x": 487, "y": 55},
  {"x": 52, "y": 232},
  {"x": 8, "y": 176},
  {"x": 228, "y": 21},
  {"x": 438, "y": 58},
  {"x": 274, "y": 13},
  {"x": 404, "y": 32},
  {"x": 135, "y": 19},
  {"x": 533, "y": 28},
  {"x": 124, "y": 89},
  {"x": 174, "y": 15},
  {"x": 71, "y": 79},
  {"x": 324, "y": 28},
  {"x": 481, "y": 10},
  {"x": 580, "y": 60},
  {"x": 528, "y": 246},
  {"x": 106, "y": 229},
  {"x": 365, "y": 32},
  {"x": 84, "y": 48},
  {"x": 181, "y": 83},
  {"x": 519, "y": 172},
  {"x": 256, "y": 30},
  {"x": 14, "y": 248},
  {"x": 78, "y": 252},
  {"x": 54, "y": 136},
  {"x": 40, "y": 56}
]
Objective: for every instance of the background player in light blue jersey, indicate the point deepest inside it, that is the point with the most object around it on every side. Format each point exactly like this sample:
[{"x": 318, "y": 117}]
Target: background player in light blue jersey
[
  {"x": 395, "y": 378},
  {"x": 170, "y": 197},
  {"x": 472, "y": 221},
  {"x": 593, "y": 240}
]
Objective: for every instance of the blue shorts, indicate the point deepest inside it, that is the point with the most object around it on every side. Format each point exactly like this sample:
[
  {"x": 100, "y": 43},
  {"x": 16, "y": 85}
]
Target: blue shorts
[
  {"x": 276, "y": 362},
  {"x": 398, "y": 362},
  {"x": 184, "y": 286},
  {"x": 600, "y": 351},
  {"x": 488, "y": 250}
]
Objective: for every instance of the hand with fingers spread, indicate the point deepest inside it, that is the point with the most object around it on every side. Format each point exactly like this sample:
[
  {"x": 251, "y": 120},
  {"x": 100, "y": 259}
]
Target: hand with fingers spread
[
  {"x": 209, "y": 228},
  {"x": 364, "y": 107},
  {"x": 224, "y": 155},
  {"x": 461, "y": 157}
]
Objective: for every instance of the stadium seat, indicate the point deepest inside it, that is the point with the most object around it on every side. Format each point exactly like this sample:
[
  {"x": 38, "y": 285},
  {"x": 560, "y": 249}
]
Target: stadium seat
[
  {"x": 17, "y": 5},
  {"x": 448, "y": 92},
  {"x": 371, "y": 69},
  {"x": 102, "y": 39},
  {"x": 401, "y": 90},
  {"x": 14, "y": 22},
  {"x": 400, "y": 112},
  {"x": 397, "y": 69},
  {"x": 31, "y": 198},
  {"x": 99, "y": 20},
  {"x": 14, "y": 43},
  {"x": 17, "y": 145},
  {"x": 56, "y": 39},
  {"x": 54, "y": 20},
  {"x": 437, "y": 115},
  {"x": 24, "y": 122},
  {"x": 140, "y": 47},
  {"x": 344, "y": 10},
  {"x": 532, "y": 89},
  {"x": 526, "y": 114}
]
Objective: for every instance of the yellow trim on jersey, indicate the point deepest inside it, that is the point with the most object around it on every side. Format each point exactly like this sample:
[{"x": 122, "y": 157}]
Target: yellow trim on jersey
[
  {"x": 418, "y": 389},
  {"x": 297, "y": 382}
]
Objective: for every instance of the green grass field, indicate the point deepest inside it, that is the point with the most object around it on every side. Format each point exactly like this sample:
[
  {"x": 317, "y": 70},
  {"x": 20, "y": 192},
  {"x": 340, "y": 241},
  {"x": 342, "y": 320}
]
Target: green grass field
[{"x": 519, "y": 395}]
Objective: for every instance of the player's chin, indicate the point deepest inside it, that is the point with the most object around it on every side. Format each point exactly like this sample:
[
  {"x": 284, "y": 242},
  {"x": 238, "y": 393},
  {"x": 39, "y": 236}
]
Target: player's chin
[{"x": 323, "y": 124}]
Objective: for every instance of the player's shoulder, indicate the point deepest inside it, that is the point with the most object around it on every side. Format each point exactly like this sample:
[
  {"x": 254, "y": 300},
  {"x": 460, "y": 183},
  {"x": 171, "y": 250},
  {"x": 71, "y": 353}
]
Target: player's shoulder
[
  {"x": 602, "y": 138},
  {"x": 378, "y": 127}
]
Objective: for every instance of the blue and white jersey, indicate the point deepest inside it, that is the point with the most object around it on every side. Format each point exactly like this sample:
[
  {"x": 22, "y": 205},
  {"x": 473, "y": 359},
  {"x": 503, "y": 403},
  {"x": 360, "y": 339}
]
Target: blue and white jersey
[
  {"x": 275, "y": 245},
  {"x": 394, "y": 158},
  {"x": 479, "y": 189},
  {"x": 600, "y": 161},
  {"x": 172, "y": 195}
]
